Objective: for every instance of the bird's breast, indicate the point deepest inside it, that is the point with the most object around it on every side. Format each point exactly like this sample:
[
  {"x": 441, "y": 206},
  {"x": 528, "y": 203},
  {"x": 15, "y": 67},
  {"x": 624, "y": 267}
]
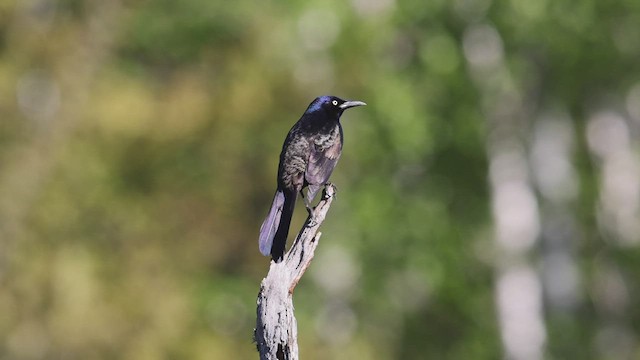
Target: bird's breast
[
  {"x": 293, "y": 163},
  {"x": 326, "y": 138}
]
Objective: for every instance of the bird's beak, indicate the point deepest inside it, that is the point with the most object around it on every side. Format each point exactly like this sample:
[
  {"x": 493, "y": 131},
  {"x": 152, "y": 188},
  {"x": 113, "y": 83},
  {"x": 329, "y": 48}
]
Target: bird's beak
[{"x": 350, "y": 104}]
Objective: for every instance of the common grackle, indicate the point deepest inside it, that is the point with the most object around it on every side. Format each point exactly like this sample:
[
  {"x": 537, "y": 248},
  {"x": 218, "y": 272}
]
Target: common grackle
[{"x": 309, "y": 154}]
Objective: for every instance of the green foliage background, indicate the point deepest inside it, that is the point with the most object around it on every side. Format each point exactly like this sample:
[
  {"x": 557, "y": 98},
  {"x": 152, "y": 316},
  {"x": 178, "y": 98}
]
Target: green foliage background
[{"x": 139, "y": 142}]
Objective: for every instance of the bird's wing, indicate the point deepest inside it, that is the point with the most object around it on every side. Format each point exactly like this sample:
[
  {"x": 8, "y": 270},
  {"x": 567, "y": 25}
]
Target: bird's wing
[{"x": 323, "y": 157}]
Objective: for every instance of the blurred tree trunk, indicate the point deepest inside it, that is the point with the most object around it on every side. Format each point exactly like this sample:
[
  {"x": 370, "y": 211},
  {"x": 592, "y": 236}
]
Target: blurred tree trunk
[{"x": 276, "y": 332}]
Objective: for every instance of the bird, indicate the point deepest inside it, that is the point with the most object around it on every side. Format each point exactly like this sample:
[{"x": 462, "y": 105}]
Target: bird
[{"x": 309, "y": 154}]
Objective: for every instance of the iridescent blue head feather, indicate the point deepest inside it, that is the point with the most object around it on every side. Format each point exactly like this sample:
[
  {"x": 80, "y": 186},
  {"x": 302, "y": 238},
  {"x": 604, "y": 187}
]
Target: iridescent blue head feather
[{"x": 332, "y": 104}]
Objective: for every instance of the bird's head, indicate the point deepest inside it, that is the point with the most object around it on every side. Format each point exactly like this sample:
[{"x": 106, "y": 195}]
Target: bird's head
[{"x": 332, "y": 105}]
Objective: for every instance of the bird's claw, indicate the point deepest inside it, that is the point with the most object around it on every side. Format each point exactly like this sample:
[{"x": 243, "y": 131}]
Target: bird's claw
[
  {"x": 329, "y": 190},
  {"x": 312, "y": 219},
  {"x": 311, "y": 222}
]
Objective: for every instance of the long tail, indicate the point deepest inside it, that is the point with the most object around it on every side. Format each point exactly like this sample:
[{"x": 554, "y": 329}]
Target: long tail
[{"x": 275, "y": 228}]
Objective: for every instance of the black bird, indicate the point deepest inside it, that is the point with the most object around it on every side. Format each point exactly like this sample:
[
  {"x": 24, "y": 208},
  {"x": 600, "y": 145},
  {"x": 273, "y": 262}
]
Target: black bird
[{"x": 309, "y": 154}]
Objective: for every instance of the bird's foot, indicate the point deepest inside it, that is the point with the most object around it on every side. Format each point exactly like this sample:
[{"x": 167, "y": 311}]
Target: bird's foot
[
  {"x": 329, "y": 190},
  {"x": 312, "y": 218}
]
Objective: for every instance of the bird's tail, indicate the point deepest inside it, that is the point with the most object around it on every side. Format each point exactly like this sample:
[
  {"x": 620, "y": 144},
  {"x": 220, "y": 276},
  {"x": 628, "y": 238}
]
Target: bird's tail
[{"x": 275, "y": 228}]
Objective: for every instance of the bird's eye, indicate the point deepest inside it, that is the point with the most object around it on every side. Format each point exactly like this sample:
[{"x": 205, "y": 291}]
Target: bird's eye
[{"x": 334, "y": 102}]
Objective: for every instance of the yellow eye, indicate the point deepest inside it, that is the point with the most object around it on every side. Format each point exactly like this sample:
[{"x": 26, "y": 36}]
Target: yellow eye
[{"x": 334, "y": 102}]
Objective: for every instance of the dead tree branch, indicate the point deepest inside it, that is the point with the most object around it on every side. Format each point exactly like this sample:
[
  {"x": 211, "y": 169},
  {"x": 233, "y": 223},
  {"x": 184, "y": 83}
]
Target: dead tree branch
[{"x": 276, "y": 330}]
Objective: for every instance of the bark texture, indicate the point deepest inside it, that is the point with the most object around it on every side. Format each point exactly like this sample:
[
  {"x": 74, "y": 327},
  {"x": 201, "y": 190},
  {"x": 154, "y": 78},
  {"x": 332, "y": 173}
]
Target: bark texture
[{"x": 276, "y": 332}]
